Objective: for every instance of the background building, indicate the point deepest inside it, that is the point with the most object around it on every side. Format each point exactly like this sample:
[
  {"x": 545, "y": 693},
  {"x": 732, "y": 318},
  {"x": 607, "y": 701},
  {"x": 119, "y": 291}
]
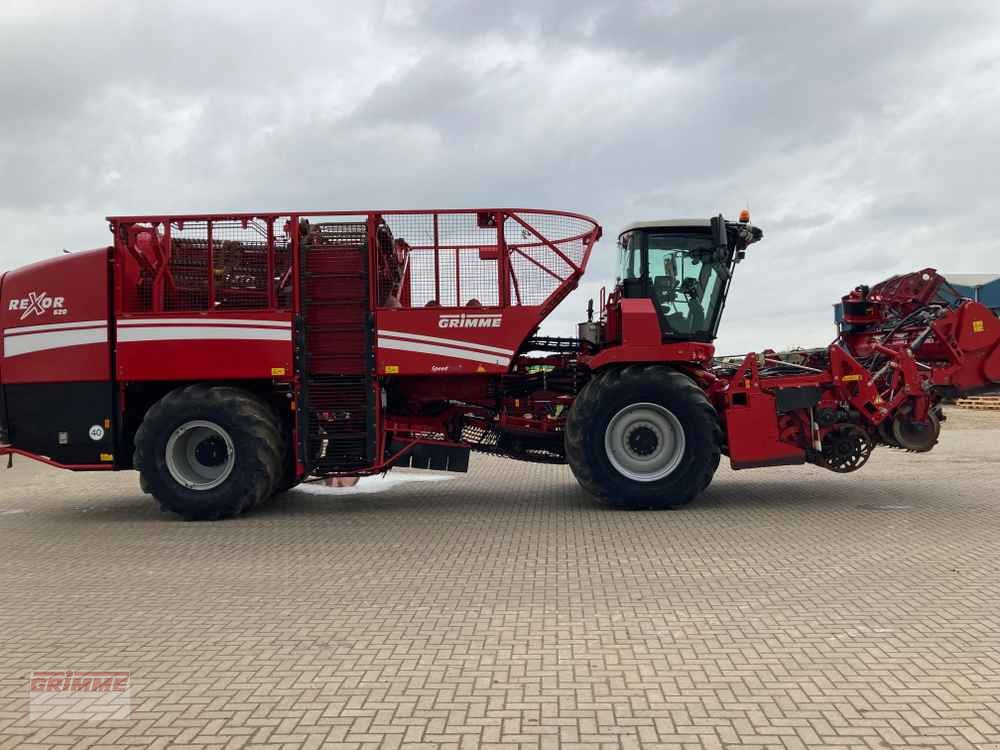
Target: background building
[{"x": 982, "y": 287}]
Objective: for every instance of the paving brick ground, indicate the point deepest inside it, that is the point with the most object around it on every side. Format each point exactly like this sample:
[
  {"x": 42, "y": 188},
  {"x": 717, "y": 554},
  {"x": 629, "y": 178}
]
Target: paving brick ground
[{"x": 787, "y": 608}]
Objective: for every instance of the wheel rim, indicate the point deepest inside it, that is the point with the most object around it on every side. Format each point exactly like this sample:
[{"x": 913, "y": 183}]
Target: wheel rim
[
  {"x": 200, "y": 455},
  {"x": 644, "y": 442}
]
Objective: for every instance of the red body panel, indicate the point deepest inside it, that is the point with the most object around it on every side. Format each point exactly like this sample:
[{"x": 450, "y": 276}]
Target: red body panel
[
  {"x": 638, "y": 327},
  {"x": 754, "y": 438},
  {"x": 991, "y": 365},
  {"x": 977, "y": 335},
  {"x": 54, "y": 317},
  {"x": 216, "y": 346},
  {"x": 452, "y": 340}
]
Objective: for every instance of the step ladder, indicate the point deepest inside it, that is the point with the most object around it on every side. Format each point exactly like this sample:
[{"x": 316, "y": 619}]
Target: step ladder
[{"x": 338, "y": 349}]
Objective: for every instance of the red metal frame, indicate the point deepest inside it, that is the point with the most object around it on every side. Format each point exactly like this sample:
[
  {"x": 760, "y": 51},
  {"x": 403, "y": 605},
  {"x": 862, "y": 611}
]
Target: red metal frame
[
  {"x": 160, "y": 244},
  {"x": 7, "y": 450},
  {"x": 456, "y": 374}
]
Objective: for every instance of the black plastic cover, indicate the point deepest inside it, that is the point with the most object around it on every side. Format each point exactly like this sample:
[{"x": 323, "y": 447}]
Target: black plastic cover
[
  {"x": 791, "y": 399},
  {"x": 71, "y": 423},
  {"x": 434, "y": 457}
]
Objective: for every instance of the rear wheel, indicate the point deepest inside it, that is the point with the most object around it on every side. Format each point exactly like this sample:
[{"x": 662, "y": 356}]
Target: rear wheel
[
  {"x": 207, "y": 453},
  {"x": 288, "y": 479},
  {"x": 643, "y": 437}
]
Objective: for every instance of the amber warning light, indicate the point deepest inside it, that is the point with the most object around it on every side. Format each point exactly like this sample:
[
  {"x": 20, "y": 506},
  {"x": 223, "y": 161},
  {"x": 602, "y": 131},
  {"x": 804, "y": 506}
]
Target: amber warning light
[{"x": 745, "y": 216}]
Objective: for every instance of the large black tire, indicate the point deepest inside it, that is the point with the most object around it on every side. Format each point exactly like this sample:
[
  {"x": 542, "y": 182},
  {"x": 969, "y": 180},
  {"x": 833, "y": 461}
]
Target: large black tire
[
  {"x": 243, "y": 477},
  {"x": 286, "y": 476},
  {"x": 627, "y": 396},
  {"x": 288, "y": 479}
]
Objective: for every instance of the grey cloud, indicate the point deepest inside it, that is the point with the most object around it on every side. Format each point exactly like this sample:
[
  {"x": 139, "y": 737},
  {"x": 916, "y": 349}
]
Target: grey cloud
[{"x": 861, "y": 134}]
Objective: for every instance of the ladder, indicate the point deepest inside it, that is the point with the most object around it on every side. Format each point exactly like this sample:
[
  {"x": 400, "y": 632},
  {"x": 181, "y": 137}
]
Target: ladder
[{"x": 338, "y": 356}]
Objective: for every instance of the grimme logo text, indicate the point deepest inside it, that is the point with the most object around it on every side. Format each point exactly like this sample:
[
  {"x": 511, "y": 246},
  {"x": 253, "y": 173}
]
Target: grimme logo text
[
  {"x": 465, "y": 320},
  {"x": 68, "y": 694},
  {"x": 38, "y": 303},
  {"x": 68, "y": 681}
]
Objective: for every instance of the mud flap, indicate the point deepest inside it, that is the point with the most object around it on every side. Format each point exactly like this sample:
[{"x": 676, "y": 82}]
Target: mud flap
[{"x": 434, "y": 457}]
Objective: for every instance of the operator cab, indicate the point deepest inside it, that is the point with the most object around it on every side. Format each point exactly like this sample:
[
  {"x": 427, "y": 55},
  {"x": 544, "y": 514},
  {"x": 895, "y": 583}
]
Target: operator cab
[{"x": 684, "y": 266}]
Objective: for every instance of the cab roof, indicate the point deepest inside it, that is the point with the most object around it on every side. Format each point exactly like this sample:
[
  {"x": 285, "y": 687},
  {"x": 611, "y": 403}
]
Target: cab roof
[{"x": 667, "y": 224}]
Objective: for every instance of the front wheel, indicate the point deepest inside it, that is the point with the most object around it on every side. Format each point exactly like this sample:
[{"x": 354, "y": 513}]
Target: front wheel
[{"x": 643, "y": 437}]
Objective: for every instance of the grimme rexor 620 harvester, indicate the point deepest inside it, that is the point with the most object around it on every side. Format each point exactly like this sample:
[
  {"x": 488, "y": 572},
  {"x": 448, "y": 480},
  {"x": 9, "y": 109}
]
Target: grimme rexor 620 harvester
[{"x": 229, "y": 357}]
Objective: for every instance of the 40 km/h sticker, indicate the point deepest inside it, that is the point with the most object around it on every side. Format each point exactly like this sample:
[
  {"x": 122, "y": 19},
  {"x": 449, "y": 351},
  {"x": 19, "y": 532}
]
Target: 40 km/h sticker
[{"x": 96, "y": 433}]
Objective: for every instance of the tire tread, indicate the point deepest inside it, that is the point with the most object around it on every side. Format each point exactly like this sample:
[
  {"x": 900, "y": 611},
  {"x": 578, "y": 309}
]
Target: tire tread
[
  {"x": 256, "y": 419},
  {"x": 584, "y": 423}
]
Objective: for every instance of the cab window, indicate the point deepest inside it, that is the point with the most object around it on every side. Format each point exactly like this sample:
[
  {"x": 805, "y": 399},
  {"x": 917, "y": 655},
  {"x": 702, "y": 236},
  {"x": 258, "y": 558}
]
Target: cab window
[{"x": 685, "y": 289}]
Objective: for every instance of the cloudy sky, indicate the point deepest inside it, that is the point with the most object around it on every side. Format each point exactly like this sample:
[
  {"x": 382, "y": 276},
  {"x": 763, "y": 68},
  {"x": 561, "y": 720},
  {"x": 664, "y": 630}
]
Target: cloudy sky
[{"x": 863, "y": 135}]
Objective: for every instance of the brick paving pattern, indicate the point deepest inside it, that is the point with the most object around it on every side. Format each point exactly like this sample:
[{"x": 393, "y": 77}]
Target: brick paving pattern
[{"x": 787, "y": 608}]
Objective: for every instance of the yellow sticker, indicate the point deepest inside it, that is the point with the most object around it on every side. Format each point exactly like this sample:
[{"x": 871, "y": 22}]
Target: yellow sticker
[
  {"x": 106, "y": 457},
  {"x": 277, "y": 372},
  {"x": 850, "y": 378},
  {"x": 391, "y": 369},
  {"x": 978, "y": 326}
]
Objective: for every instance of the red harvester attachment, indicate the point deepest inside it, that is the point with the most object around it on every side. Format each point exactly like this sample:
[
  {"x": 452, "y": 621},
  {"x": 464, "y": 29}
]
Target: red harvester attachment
[{"x": 904, "y": 344}]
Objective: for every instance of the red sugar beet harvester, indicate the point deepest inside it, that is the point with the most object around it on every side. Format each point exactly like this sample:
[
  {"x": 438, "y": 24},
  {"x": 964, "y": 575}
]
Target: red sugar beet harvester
[{"x": 228, "y": 357}]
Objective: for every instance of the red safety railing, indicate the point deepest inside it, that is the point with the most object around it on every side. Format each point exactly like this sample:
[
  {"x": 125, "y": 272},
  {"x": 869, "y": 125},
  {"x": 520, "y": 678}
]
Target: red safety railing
[
  {"x": 428, "y": 258},
  {"x": 204, "y": 264},
  {"x": 484, "y": 258}
]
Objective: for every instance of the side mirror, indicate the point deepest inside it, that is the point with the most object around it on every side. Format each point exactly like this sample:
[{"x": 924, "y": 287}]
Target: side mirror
[{"x": 720, "y": 237}]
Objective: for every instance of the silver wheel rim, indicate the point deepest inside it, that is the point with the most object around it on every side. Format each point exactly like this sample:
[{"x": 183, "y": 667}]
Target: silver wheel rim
[
  {"x": 644, "y": 442},
  {"x": 200, "y": 455}
]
